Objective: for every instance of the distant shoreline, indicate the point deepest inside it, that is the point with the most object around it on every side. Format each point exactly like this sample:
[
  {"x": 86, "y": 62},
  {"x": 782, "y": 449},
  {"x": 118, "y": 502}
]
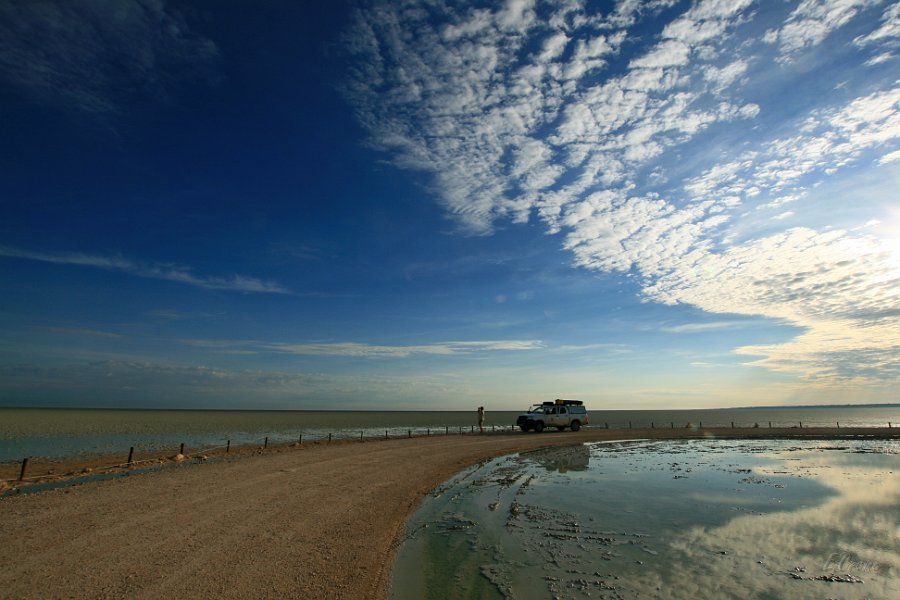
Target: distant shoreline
[{"x": 62, "y": 434}]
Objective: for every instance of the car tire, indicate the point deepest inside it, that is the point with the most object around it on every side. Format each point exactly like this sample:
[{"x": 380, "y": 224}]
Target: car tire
[
  {"x": 576, "y": 425},
  {"x": 539, "y": 426}
]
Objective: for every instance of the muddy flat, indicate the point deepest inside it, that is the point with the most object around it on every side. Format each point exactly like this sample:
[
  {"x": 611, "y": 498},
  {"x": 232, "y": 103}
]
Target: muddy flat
[{"x": 316, "y": 521}]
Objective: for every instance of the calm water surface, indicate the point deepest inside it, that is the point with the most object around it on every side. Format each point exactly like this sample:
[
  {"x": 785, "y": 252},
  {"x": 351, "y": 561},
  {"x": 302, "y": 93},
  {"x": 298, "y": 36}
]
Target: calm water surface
[
  {"x": 680, "y": 519},
  {"x": 57, "y": 433}
]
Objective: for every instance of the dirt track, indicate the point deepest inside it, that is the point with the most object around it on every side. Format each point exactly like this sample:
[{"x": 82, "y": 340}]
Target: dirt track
[{"x": 319, "y": 521}]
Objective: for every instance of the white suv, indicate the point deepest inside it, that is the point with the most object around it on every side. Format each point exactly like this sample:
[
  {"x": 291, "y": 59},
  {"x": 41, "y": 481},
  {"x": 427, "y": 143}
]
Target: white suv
[{"x": 558, "y": 413}]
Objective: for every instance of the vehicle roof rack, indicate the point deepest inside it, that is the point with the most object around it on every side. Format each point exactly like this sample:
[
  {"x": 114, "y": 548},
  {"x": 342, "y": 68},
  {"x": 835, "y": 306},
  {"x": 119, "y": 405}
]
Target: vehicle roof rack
[{"x": 560, "y": 401}]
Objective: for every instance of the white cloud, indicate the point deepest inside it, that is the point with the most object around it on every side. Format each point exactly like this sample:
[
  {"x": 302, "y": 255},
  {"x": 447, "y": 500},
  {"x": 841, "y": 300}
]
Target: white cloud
[
  {"x": 517, "y": 15},
  {"x": 889, "y": 157},
  {"x": 704, "y": 327},
  {"x": 813, "y": 20},
  {"x": 726, "y": 76},
  {"x": 670, "y": 53},
  {"x": 829, "y": 139},
  {"x": 457, "y": 109},
  {"x": 889, "y": 30},
  {"x": 376, "y": 351},
  {"x": 881, "y": 58},
  {"x": 570, "y": 139},
  {"x": 178, "y": 274},
  {"x": 356, "y": 349},
  {"x": 842, "y": 290},
  {"x": 554, "y": 46}
]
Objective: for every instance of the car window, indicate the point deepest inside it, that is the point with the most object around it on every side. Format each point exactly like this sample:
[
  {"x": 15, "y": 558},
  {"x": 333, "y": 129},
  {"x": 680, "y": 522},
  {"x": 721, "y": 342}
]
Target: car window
[{"x": 562, "y": 410}]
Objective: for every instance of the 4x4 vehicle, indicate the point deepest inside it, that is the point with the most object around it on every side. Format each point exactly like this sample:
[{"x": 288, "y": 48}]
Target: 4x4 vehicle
[{"x": 557, "y": 413}]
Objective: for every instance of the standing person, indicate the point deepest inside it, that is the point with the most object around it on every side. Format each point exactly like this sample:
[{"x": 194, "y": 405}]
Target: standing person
[{"x": 481, "y": 419}]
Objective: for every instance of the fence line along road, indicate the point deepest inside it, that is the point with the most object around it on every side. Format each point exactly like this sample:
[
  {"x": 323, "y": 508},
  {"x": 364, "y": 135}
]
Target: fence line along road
[{"x": 83, "y": 468}]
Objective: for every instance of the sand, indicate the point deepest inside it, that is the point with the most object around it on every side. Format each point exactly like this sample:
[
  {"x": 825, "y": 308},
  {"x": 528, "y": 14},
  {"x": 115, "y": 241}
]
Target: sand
[{"x": 316, "y": 521}]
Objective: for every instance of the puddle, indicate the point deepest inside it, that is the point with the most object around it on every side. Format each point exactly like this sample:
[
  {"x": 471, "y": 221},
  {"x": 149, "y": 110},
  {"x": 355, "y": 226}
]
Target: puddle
[{"x": 679, "y": 519}]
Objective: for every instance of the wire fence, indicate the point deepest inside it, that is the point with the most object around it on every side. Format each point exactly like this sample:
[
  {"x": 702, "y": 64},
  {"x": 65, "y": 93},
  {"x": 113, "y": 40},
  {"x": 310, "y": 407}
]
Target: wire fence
[
  {"x": 150, "y": 459},
  {"x": 203, "y": 453}
]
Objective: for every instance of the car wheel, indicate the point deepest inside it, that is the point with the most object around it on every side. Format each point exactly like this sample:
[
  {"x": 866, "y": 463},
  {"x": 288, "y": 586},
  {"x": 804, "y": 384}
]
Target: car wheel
[
  {"x": 575, "y": 425},
  {"x": 539, "y": 426}
]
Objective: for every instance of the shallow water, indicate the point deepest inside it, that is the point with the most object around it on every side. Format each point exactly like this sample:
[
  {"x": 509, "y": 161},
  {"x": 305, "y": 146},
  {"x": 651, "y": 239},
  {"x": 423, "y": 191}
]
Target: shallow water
[
  {"x": 58, "y": 433},
  {"x": 679, "y": 519}
]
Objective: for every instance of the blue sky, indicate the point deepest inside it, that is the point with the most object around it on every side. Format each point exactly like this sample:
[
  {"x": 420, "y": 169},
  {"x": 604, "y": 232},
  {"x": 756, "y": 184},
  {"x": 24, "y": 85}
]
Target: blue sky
[{"x": 440, "y": 205}]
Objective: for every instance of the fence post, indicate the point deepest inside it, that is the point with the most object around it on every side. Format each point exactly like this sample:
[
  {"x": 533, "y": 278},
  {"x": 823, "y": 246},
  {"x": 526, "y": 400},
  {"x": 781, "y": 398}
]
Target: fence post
[
  {"x": 409, "y": 432},
  {"x": 228, "y": 447},
  {"x": 24, "y": 469},
  {"x": 701, "y": 424},
  {"x": 329, "y": 438},
  {"x": 131, "y": 455},
  {"x": 300, "y": 439},
  {"x": 801, "y": 424},
  {"x": 607, "y": 425},
  {"x": 446, "y": 430},
  {"x": 181, "y": 450},
  {"x": 652, "y": 425},
  {"x": 266, "y": 443},
  {"x": 770, "y": 424},
  {"x": 385, "y": 434},
  {"x": 360, "y": 436},
  {"x": 671, "y": 424},
  {"x": 732, "y": 424},
  {"x": 428, "y": 431},
  {"x": 838, "y": 424}
]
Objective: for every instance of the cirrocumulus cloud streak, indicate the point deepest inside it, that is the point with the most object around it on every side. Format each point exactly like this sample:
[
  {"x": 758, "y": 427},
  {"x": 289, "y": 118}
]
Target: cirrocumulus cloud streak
[{"x": 652, "y": 138}]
